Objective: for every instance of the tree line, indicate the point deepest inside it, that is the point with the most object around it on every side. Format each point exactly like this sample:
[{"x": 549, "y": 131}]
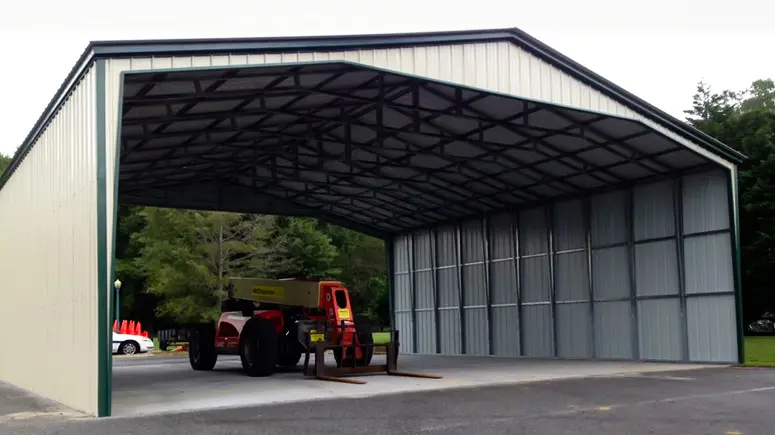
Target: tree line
[{"x": 175, "y": 264}]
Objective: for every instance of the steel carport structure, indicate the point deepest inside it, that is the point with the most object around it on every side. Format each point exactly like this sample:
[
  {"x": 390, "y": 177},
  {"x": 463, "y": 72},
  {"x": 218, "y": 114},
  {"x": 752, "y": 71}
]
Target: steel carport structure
[{"x": 530, "y": 207}]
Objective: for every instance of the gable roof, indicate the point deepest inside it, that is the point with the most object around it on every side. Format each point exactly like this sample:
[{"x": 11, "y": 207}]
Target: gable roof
[{"x": 177, "y": 47}]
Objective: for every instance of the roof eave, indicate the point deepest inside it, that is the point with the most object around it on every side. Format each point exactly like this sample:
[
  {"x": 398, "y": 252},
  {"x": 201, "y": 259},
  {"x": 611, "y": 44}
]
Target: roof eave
[{"x": 107, "y": 49}]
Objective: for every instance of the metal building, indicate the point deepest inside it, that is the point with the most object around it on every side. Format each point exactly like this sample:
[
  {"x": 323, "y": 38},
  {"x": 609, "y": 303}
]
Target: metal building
[{"x": 531, "y": 207}]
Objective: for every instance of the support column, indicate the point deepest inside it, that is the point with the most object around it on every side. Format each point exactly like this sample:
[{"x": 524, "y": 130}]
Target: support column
[
  {"x": 590, "y": 279},
  {"x": 633, "y": 285},
  {"x": 679, "y": 249},
  {"x": 552, "y": 288}
]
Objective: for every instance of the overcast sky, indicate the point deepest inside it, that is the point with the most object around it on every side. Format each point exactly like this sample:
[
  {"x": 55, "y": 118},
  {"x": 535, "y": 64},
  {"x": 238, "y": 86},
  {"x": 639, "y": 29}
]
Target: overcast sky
[{"x": 658, "y": 49}]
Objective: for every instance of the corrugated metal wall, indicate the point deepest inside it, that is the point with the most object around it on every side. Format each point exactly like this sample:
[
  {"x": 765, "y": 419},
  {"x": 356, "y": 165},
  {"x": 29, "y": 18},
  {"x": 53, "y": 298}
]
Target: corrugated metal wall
[
  {"x": 48, "y": 259},
  {"x": 643, "y": 273}
]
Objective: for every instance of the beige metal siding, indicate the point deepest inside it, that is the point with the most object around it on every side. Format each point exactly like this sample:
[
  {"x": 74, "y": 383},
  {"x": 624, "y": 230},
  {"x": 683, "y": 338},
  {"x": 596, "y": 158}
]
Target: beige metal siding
[
  {"x": 48, "y": 259},
  {"x": 496, "y": 66}
]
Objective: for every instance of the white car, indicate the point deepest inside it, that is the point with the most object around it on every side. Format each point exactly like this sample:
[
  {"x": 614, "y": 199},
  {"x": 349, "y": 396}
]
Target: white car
[{"x": 130, "y": 344}]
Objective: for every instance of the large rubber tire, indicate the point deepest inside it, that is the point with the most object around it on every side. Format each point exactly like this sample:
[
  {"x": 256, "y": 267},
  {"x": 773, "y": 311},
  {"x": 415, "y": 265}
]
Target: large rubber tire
[
  {"x": 259, "y": 347},
  {"x": 367, "y": 352},
  {"x": 201, "y": 348},
  {"x": 290, "y": 358}
]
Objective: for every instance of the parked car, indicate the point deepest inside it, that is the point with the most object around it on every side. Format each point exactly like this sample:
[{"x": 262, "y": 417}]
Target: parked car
[
  {"x": 130, "y": 344},
  {"x": 765, "y": 324}
]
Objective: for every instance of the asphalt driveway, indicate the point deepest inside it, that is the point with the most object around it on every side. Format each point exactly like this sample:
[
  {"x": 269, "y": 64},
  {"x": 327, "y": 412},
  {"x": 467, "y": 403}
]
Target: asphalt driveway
[{"x": 725, "y": 401}]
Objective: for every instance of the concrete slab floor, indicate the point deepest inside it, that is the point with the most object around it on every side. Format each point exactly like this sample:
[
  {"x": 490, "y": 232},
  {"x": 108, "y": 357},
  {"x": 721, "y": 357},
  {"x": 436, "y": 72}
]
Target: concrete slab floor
[
  {"x": 20, "y": 405},
  {"x": 154, "y": 385}
]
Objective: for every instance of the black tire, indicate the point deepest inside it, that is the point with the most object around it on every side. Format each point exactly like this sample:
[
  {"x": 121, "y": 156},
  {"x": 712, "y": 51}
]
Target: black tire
[
  {"x": 259, "y": 347},
  {"x": 365, "y": 341},
  {"x": 289, "y": 358},
  {"x": 201, "y": 348},
  {"x": 163, "y": 346},
  {"x": 129, "y": 347}
]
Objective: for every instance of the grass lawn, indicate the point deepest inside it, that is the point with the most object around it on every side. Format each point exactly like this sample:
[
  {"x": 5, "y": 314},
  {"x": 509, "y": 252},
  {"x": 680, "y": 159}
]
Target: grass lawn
[{"x": 760, "y": 351}]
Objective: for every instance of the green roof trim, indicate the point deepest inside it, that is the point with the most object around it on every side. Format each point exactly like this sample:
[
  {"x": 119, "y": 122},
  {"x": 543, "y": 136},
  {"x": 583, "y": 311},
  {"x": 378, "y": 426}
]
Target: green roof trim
[{"x": 178, "y": 47}]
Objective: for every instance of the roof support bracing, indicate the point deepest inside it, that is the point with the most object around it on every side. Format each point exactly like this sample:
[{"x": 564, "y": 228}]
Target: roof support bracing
[{"x": 368, "y": 148}]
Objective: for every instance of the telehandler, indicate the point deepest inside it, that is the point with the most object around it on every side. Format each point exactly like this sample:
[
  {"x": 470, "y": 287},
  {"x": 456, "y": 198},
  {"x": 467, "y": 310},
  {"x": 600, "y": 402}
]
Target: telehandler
[{"x": 271, "y": 323}]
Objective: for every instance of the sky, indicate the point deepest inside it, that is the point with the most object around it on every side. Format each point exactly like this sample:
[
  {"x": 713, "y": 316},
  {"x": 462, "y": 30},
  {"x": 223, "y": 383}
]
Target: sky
[{"x": 658, "y": 49}]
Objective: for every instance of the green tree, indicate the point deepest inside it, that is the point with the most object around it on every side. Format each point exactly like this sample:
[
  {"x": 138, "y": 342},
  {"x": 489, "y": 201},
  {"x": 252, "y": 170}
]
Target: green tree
[
  {"x": 5, "y": 161},
  {"x": 291, "y": 247},
  {"x": 187, "y": 258}
]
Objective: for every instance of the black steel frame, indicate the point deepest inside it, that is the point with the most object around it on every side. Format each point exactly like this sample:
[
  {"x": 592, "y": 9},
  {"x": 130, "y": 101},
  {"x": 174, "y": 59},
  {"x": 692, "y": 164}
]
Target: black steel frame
[{"x": 376, "y": 150}]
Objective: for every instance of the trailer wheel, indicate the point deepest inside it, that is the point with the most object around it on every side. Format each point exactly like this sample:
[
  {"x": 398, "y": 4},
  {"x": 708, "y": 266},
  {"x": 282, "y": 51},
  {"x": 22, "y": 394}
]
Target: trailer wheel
[
  {"x": 201, "y": 348},
  {"x": 259, "y": 347}
]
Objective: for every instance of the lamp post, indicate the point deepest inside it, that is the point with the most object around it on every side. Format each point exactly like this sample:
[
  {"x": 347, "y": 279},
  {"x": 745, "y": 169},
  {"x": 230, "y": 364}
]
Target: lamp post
[{"x": 117, "y": 286}]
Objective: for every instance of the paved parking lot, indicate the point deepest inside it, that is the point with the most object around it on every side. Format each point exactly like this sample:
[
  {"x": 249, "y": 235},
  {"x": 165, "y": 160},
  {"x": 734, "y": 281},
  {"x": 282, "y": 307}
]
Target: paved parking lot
[{"x": 723, "y": 401}]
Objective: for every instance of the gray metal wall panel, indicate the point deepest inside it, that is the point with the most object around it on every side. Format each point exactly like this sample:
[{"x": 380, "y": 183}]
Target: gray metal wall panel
[
  {"x": 569, "y": 232},
  {"x": 533, "y": 231},
  {"x": 477, "y": 335},
  {"x": 708, "y": 260},
  {"x": 421, "y": 250},
  {"x": 423, "y": 285},
  {"x": 405, "y": 327},
  {"x": 611, "y": 272},
  {"x": 712, "y": 332},
  {"x": 401, "y": 254},
  {"x": 606, "y": 329},
  {"x": 653, "y": 213},
  {"x": 403, "y": 296},
  {"x": 574, "y": 330},
  {"x": 537, "y": 321},
  {"x": 474, "y": 291},
  {"x": 449, "y": 290},
  {"x": 472, "y": 247},
  {"x": 501, "y": 237},
  {"x": 656, "y": 268},
  {"x": 503, "y": 283},
  {"x": 445, "y": 245},
  {"x": 608, "y": 218},
  {"x": 571, "y": 277},
  {"x": 705, "y": 201},
  {"x": 659, "y": 329},
  {"x": 426, "y": 332},
  {"x": 449, "y": 331},
  {"x": 505, "y": 331},
  {"x": 613, "y": 330},
  {"x": 535, "y": 279}
]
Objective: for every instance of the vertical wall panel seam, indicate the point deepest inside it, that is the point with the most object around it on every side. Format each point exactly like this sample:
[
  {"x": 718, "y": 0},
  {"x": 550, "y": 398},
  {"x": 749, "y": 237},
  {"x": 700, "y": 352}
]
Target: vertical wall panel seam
[
  {"x": 679, "y": 249},
  {"x": 390, "y": 250},
  {"x": 412, "y": 288},
  {"x": 485, "y": 232},
  {"x": 515, "y": 227},
  {"x": 590, "y": 279},
  {"x": 460, "y": 287},
  {"x": 435, "y": 282},
  {"x": 630, "y": 216},
  {"x": 549, "y": 223}
]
